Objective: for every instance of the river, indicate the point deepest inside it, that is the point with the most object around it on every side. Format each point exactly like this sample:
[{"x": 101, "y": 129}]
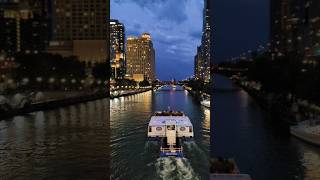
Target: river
[
  {"x": 265, "y": 150},
  {"x": 135, "y": 158},
  {"x": 65, "y": 143}
]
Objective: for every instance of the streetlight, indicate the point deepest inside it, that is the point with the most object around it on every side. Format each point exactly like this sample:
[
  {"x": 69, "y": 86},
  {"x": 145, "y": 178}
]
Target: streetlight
[
  {"x": 10, "y": 81},
  {"x": 51, "y": 80},
  {"x": 63, "y": 80},
  {"x": 39, "y": 79},
  {"x": 25, "y": 81}
]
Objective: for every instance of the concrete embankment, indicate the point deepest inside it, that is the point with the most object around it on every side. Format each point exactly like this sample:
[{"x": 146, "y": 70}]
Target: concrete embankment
[
  {"x": 128, "y": 93},
  {"x": 51, "y": 104},
  {"x": 53, "y": 100}
]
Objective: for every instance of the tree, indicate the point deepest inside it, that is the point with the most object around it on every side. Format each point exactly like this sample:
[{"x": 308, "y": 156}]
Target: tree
[
  {"x": 100, "y": 71},
  {"x": 144, "y": 83}
]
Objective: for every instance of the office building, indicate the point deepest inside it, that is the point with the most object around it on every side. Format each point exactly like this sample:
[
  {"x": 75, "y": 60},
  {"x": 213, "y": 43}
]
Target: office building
[
  {"x": 203, "y": 56},
  {"x": 25, "y": 26},
  {"x": 140, "y": 56},
  {"x": 79, "y": 29},
  {"x": 295, "y": 29},
  {"x": 117, "y": 49}
]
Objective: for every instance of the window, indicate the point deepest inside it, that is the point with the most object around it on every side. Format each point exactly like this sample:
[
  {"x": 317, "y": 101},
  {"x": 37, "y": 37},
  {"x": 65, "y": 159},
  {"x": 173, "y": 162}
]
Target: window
[
  {"x": 150, "y": 129},
  {"x": 190, "y": 129}
]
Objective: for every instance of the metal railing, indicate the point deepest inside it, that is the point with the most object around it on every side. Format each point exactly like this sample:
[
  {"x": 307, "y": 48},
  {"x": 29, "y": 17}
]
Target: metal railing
[{"x": 168, "y": 150}]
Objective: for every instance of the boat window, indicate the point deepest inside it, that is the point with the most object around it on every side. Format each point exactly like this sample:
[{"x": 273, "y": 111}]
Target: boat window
[
  {"x": 190, "y": 129},
  {"x": 182, "y": 129},
  {"x": 171, "y": 127},
  {"x": 159, "y": 128},
  {"x": 150, "y": 129}
]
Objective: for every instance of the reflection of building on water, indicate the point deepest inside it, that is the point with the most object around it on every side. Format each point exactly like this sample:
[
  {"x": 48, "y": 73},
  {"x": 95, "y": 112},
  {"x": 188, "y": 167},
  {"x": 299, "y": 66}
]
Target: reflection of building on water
[
  {"x": 145, "y": 97},
  {"x": 206, "y": 122},
  {"x": 311, "y": 161},
  {"x": 133, "y": 113}
]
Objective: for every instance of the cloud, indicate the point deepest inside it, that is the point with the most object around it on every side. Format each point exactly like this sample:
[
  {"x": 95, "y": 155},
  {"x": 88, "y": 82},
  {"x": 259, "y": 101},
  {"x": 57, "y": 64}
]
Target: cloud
[
  {"x": 196, "y": 34},
  {"x": 175, "y": 26},
  {"x": 137, "y": 26},
  {"x": 142, "y": 3},
  {"x": 172, "y": 11}
]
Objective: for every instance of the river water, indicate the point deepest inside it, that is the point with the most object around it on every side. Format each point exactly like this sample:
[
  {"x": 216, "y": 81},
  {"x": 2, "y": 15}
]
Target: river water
[
  {"x": 64, "y": 143},
  {"x": 132, "y": 157},
  {"x": 265, "y": 150},
  {"x": 72, "y": 142}
]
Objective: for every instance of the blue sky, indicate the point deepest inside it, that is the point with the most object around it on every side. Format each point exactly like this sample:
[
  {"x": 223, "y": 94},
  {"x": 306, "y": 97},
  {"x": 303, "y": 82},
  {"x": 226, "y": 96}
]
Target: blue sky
[
  {"x": 175, "y": 26},
  {"x": 238, "y": 26}
]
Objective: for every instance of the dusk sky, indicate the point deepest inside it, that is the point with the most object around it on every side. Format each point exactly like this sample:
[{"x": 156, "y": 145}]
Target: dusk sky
[
  {"x": 175, "y": 27},
  {"x": 238, "y": 26}
]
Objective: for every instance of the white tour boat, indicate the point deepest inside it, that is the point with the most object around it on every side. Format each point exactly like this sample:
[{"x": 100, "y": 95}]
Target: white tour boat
[{"x": 171, "y": 128}]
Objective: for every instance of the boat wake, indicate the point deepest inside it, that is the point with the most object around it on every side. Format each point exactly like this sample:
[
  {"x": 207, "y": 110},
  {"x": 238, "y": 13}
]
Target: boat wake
[
  {"x": 193, "y": 148},
  {"x": 174, "y": 168}
]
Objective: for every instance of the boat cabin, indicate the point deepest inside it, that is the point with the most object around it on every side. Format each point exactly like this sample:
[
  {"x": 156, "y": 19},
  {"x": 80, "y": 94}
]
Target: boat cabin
[{"x": 170, "y": 124}]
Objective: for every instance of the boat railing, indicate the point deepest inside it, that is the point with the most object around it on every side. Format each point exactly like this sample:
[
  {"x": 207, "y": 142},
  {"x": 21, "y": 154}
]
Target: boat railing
[
  {"x": 169, "y": 113},
  {"x": 168, "y": 150}
]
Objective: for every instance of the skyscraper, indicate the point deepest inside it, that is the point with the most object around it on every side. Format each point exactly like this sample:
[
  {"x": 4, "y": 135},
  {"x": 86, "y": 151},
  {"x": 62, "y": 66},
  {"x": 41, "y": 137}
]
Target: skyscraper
[
  {"x": 295, "y": 28},
  {"x": 198, "y": 64},
  {"x": 203, "y": 57},
  {"x": 117, "y": 49},
  {"x": 140, "y": 58},
  {"x": 206, "y": 42},
  {"x": 79, "y": 29},
  {"x": 25, "y": 26}
]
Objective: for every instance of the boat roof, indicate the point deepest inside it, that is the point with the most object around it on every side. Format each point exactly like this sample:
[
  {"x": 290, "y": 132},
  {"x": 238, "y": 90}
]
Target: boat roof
[
  {"x": 163, "y": 120},
  {"x": 169, "y": 113}
]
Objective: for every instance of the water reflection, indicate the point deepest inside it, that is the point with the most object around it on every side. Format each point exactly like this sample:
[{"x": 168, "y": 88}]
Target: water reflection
[
  {"x": 66, "y": 143},
  {"x": 241, "y": 130},
  {"x": 135, "y": 158}
]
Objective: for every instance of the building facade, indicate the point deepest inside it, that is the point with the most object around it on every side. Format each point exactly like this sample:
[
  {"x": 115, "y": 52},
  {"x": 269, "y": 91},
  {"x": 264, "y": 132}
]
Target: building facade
[
  {"x": 25, "y": 26},
  {"x": 203, "y": 56},
  {"x": 295, "y": 29},
  {"x": 198, "y": 64},
  {"x": 117, "y": 49},
  {"x": 79, "y": 29},
  {"x": 140, "y": 56}
]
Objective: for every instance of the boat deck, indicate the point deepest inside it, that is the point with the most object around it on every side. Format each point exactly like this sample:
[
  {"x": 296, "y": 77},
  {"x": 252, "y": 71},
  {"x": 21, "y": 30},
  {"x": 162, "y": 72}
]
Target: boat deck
[{"x": 163, "y": 120}]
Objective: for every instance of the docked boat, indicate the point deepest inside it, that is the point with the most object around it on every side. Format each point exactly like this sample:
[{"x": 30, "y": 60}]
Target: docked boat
[
  {"x": 171, "y": 128},
  {"x": 205, "y": 103},
  {"x": 308, "y": 131},
  {"x": 205, "y": 100},
  {"x": 226, "y": 169}
]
